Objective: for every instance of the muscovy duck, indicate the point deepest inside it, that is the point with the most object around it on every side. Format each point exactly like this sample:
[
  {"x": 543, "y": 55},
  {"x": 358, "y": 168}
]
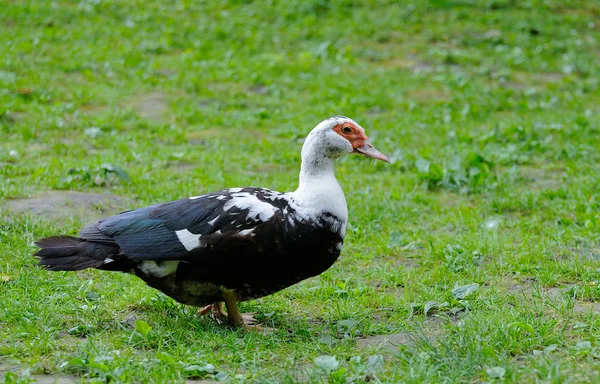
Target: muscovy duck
[{"x": 232, "y": 245}]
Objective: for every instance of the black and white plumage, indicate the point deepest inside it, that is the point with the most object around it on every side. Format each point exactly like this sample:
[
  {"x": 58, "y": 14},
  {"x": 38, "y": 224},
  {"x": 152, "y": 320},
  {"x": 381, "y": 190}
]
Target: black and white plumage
[{"x": 232, "y": 245}]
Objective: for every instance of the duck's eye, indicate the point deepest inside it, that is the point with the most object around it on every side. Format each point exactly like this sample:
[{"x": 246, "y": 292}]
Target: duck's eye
[{"x": 347, "y": 130}]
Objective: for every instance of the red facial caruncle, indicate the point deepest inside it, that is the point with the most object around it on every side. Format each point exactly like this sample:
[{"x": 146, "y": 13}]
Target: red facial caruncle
[{"x": 360, "y": 142}]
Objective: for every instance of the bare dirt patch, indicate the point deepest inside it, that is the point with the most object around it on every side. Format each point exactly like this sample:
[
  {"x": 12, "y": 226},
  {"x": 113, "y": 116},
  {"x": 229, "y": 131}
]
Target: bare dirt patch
[
  {"x": 408, "y": 62},
  {"x": 166, "y": 72},
  {"x": 200, "y": 137},
  {"x": 556, "y": 292},
  {"x": 430, "y": 330},
  {"x": 424, "y": 95},
  {"x": 520, "y": 81},
  {"x": 13, "y": 117},
  {"x": 513, "y": 286},
  {"x": 551, "y": 77},
  {"x": 51, "y": 379},
  {"x": 541, "y": 178},
  {"x": 8, "y": 366},
  {"x": 259, "y": 89},
  {"x": 584, "y": 306},
  {"x": 406, "y": 263},
  {"x": 591, "y": 252},
  {"x": 514, "y": 85},
  {"x": 91, "y": 109},
  {"x": 526, "y": 287},
  {"x": 61, "y": 205},
  {"x": 389, "y": 342},
  {"x": 153, "y": 106},
  {"x": 402, "y": 63}
]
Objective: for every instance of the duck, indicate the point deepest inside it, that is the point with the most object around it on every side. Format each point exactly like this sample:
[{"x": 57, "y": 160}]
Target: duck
[{"x": 232, "y": 245}]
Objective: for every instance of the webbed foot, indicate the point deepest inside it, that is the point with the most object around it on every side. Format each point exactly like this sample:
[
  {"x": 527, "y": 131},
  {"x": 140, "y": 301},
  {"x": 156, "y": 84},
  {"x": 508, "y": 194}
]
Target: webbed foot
[{"x": 216, "y": 309}]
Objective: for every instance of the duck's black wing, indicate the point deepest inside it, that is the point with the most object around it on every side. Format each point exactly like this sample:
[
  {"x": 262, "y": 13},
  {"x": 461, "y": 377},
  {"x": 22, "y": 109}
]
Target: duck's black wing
[{"x": 176, "y": 230}]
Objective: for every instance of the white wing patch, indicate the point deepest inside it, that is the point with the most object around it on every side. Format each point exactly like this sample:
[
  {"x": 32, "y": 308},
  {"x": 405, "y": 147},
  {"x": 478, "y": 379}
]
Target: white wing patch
[
  {"x": 245, "y": 232},
  {"x": 188, "y": 239},
  {"x": 194, "y": 197},
  {"x": 158, "y": 270},
  {"x": 255, "y": 207},
  {"x": 273, "y": 195}
]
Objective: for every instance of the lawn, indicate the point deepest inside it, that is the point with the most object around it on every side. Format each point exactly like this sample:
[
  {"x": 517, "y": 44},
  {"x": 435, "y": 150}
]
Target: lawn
[{"x": 473, "y": 257}]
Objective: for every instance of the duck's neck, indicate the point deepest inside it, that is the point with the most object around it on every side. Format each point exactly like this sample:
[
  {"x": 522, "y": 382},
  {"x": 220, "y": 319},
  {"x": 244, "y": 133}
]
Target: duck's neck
[
  {"x": 315, "y": 169},
  {"x": 319, "y": 190}
]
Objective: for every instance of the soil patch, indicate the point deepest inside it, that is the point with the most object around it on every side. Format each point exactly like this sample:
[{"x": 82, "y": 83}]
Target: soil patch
[
  {"x": 526, "y": 287},
  {"x": 584, "y": 306},
  {"x": 152, "y": 106},
  {"x": 166, "y": 72},
  {"x": 424, "y": 95},
  {"x": 551, "y": 77},
  {"x": 200, "y": 137},
  {"x": 514, "y": 85},
  {"x": 7, "y": 365},
  {"x": 390, "y": 342},
  {"x": 259, "y": 89},
  {"x": 542, "y": 179},
  {"x": 409, "y": 62},
  {"x": 61, "y": 205},
  {"x": 13, "y": 117},
  {"x": 50, "y": 379},
  {"x": 430, "y": 330},
  {"x": 91, "y": 109},
  {"x": 406, "y": 263}
]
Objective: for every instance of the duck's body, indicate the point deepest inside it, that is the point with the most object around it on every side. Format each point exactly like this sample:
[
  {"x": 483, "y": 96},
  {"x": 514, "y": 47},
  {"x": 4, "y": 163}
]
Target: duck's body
[
  {"x": 250, "y": 240},
  {"x": 232, "y": 245}
]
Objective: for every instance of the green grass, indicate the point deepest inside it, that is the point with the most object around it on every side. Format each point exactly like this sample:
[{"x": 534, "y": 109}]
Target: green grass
[{"x": 488, "y": 108}]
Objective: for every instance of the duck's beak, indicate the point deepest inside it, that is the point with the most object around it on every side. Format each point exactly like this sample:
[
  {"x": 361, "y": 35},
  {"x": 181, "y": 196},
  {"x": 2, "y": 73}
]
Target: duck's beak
[{"x": 369, "y": 150}]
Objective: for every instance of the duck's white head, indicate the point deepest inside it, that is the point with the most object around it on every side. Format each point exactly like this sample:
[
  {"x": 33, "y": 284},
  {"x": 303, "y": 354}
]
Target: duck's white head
[
  {"x": 338, "y": 136},
  {"x": 319, "y": 190}
]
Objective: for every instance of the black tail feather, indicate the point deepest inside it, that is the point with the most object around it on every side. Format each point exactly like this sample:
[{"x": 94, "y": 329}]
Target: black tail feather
[{"x": 67, "y": 253}]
